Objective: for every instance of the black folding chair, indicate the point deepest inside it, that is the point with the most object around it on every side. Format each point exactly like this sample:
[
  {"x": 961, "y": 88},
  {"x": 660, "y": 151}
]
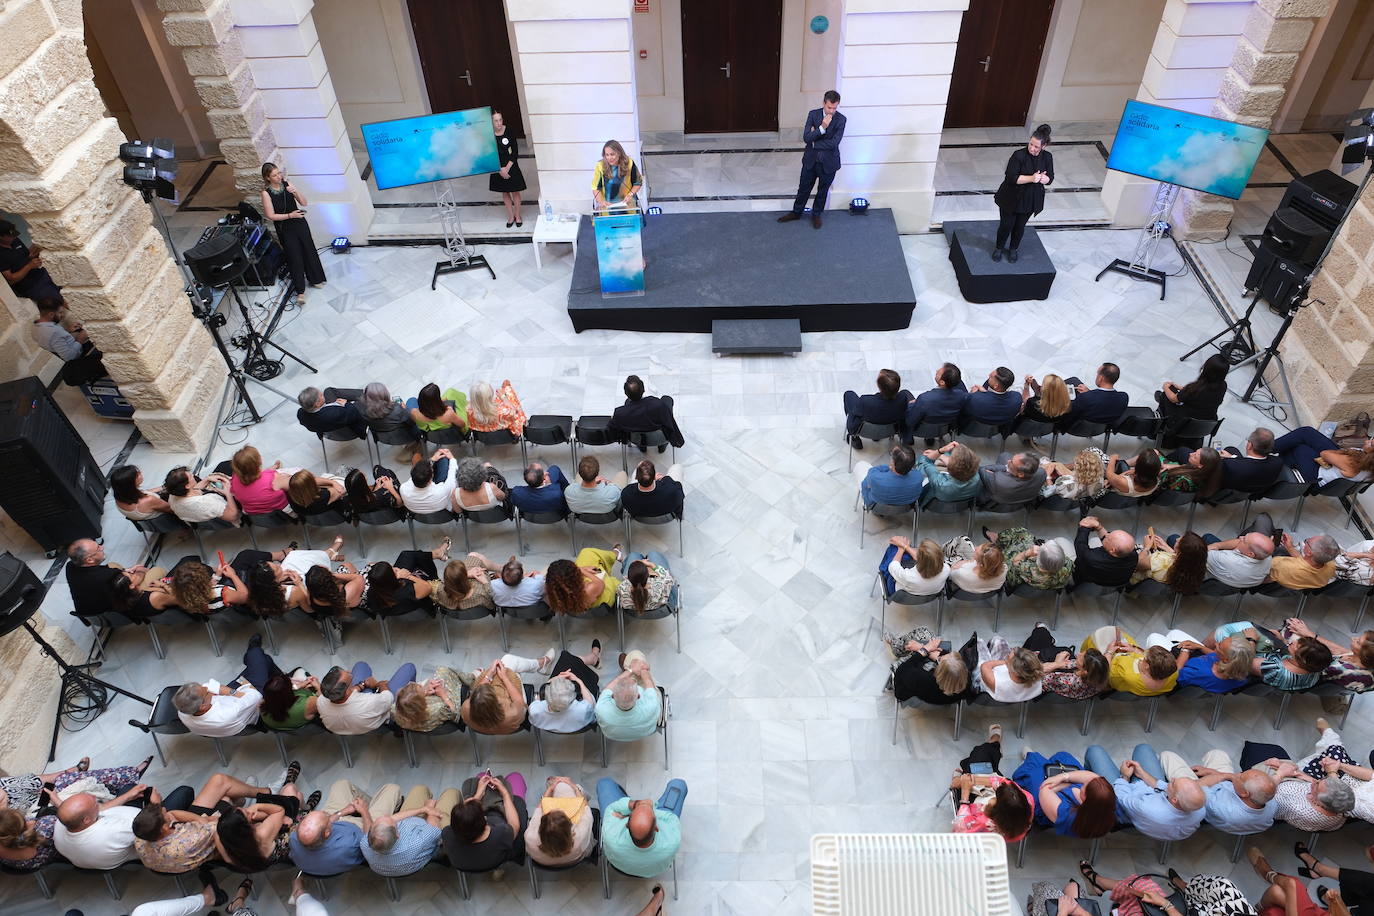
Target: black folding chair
[{"x": 552, "y": 429}]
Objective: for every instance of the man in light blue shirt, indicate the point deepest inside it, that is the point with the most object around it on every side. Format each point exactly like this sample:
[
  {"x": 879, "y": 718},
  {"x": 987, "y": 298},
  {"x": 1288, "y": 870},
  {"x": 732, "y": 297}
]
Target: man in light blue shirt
[
  {"x": 897, "y": 484},
  {"x": 640, "y": 837},
  {"x": 515, "y": 587},
  {"x": 401, "y": 844},
  {"x": 1160, "y": 809},
  {"x": 1239, "y": 804},
  {"x": 630, "y": 706}
]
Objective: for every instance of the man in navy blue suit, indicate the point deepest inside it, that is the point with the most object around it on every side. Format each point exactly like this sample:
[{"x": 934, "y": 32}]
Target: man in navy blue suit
[
  {"x": 887, "y": 406},
  {"x": 1103, "y": 404},
  {"x": 543, "y": 489},
  {"x": 994, "y": 403},
  {"x": 941, "y": 404},
  {"x": 823, "y": 131}
]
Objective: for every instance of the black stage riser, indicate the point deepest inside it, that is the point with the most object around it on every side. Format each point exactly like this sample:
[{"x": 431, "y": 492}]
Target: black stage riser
[{"x": 983, "y": 280}]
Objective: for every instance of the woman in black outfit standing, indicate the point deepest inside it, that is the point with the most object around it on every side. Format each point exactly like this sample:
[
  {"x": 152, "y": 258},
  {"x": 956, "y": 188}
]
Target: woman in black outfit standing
[
  {"x": 282, "y": 204},
  {"x": 509, "y": 181},
  {"x": 1022, "y": 193}
]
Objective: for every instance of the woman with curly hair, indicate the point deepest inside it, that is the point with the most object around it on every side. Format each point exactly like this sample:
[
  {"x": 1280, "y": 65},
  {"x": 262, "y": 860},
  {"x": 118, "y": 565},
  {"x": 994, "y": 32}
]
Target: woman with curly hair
[
  {"x": 1086, "y": 479},
  {"x": 199, "y": 590},
  {"x": 575, "y": 586},
  {"x": 334, "y": 594},
  {"x": 1182, "y": 566},
  {"x": 276, "y": 581}
]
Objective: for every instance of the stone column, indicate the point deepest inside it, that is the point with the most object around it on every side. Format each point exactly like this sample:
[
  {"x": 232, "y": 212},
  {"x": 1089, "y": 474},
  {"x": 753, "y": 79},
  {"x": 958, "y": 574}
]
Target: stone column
[
  {"x": 578, "y": 71},
  {"x": 896, "y": 58},
  {"x": 59, "y": 168},
  {"x": 283, "y": 54}
]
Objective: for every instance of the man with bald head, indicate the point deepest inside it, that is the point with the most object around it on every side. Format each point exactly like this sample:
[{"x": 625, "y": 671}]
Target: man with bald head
[
  {"x": 1161, "y": 808},
  {"x": 1110, "y": 564},
  {"x": 1241, "y": 562},
  {"x": 327, "y": 841},
  {"x": 640, "y": 837},
  {"x": 92, "y": 834},
  {"x": 1237, "y": 803}
]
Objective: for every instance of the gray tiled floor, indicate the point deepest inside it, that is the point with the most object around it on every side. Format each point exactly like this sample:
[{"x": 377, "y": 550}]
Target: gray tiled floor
[{"x": 780, "y": 725}]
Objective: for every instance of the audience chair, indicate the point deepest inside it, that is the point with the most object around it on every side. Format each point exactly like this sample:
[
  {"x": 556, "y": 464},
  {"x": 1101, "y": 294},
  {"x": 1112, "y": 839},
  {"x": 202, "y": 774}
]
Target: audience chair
[
  {"x": 1138, "y": 423},
  {"x": 1149, "y": 588},
  {"x": 935, "y": 431},
  {"x": 407, "y": 435},
  {"x": 539, "y": 745},
  {"x": 449, "y": 435},
  {"x": 552, "y": 429},
  {"x": 1298, "y": 595},
  {"x": 266, "y": 521},
  {"x": 444, "y": 728},
  {"x": 955, "y": 593},
  {"x": 1289, "y": 486},
  {"x": 1112, "y": 501},
  {"x": 157, "y": 526},
  {"x": 645, "y": 441},
  {"x": 376, "y": 518},
  {"x": 1023, "y": 708},
  {"x": 1347, "y": 588},
  {"x": 104, "y": 625},
  {"x": 884, "y": 510},
  {"x": 908, "y": 600},
  {"x": 592, "y": 858},
  {"x": 973, "y": 429},
  {"x": 1081, "y": 429},
  {"x": 673, "y": 608},
  {"x": 441, "y": 517},
  {"x": 163, "y": 720},
  {"x": 445, "y": 615},
  {"x": 874, "y": 432},
  {"x": 540, "y": 518},
  {"x": 215, "y": 524},
  {"x": 1190, "y": 428},
  {"x": 943, "y": 507},
  {"x": 1023, "y": 590},
  {"x": 1343, "y": 489},
  {"x": 496, "y": 515},
  {"x": 992, "y": 508},
  {"x": 591, "y": 613},
  {"x": 1189, "y": 692},
  {"x": 1056, "y": 503},
  {"x": 595, "y": 430},
  {"x": 597, "y": 518},
  {"x": 1024, "y": 427},
  {"x": 346, "y": 751},
  {"x": 1093, "y": 590},
  {"x": 916, "y": 703},
  {"x": 1054, "y": 699},
  {"x": 524, "y": 727},
  {"x": 1125, "y": 696},
  {"x": 667, "y": 519},
  {"x": 180, "y": 615},
  {"x": 331, "y": 517},
  {"x": 518, "y": 860},
  {"x": 499, "y": 437},
  {"x": 1214, "y": 588},
  {"x": 383, "y": 619},
  {"x": 1173, "y": 498},
  {"x": 44, "y": 887},
  {"x": 339, "y": 435},
  {"x": 537, "y": 611},
  {"x": 663, "y": 718},
  {"x": 244, "y": 610},
  {"x": 607, "y": 868},
  {"x": 310, "y": 729},
  {"x": 1232, "y": 497}
]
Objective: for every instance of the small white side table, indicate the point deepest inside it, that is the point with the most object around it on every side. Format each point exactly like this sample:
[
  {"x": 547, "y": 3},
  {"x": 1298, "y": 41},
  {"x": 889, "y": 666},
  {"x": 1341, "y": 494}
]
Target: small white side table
[{"x": 554, "y": 230}]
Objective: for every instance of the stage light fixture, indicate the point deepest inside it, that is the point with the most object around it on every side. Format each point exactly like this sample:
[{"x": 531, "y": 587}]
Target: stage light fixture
[
  {"x": 341, "y": 244},
  {"x": 150, "y": 167},
  {"x": 858, "y": 205}
]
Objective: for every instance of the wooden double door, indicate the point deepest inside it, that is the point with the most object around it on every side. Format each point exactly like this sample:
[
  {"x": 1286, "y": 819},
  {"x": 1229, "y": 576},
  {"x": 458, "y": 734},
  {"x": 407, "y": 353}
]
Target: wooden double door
[
  {"x": 997, "y": 62},
  {"x": 731, "y": 54},
  {"x": 465, "y": 57}
]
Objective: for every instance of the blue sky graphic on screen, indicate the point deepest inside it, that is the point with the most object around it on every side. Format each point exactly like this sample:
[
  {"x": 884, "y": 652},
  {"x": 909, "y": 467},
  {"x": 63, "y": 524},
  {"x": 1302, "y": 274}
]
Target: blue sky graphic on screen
[
  {"x": 431, "y": 148},
  {"x": 1186, "y": 149}
]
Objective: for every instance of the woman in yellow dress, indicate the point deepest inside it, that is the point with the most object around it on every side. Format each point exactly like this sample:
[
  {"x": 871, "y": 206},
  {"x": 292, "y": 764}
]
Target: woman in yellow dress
[
  {"x": 575, "y": 586},
  {"x": 1143, "y": 672}
]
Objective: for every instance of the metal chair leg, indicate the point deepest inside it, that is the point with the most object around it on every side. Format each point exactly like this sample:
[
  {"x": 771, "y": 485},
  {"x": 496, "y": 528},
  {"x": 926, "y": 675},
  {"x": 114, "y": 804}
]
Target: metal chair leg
[
  {"x": 347, "y": 751},
  {"x": 219, "y": 749},
  {"x": 321, "y": 891},
  {"x": 157, "y": 746},
  {"x": 958, "y": 718},
  {"x": 393, "y": 890},
  {"x": 281, "y": 748},
  {"x": 158, "y": 650},
  {"x": 1164, "y": 851},
  {"x": 1087, "y": 715},
  {"x": 534, "y": 880},
  {"x": 214, "y": 642},
  {"x": 443, "y": 632},
  {"x": 409, "y": 740},
  {"x": 271, "y": 634},
  {"x": 386, "y": 635},
  {"x": 1235, "y": 850},
  {"x": 476, "y": 749},
  {"x": 1150, "y": 716},
  {"x": 1058, "y": 602},
  {"x": 43, "y": 887},
  {"x": 110, "y": 885}
]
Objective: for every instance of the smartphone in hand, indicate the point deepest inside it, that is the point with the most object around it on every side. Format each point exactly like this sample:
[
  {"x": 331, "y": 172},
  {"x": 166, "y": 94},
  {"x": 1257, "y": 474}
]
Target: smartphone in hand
[{"x": 1073, "y": 381}]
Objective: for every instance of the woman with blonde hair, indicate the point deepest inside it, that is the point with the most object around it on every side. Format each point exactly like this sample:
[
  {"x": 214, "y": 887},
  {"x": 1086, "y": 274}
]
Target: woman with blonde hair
[
  {"x": 311, "y": 494},
  {"x": 490, "y": 410},
  {"x": 928, "y": 671},
  {"x": 1044, "y": 401},
  {"x": 1086, "y": 479},
  {"x": 986, "y": 572},
  {"x": 1009, "y": 675},
  {"x": 466, "y": 584},
  {"x": 920, "y": 570},
  {"x": 197, "y": 589},
  {"x": 616, "y": 180}
]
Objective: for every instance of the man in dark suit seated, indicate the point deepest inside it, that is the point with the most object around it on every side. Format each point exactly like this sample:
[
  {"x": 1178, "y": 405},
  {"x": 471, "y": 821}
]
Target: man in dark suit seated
[
  {"x": 887, "y": 406},
  {"x": 331, "y": 409},
  {"x": 995, "y": 403},
  {"x": 1103, "y": 404},
  {"x": 1111, "y": 564},
  {"x": 941, "y": 404},
  {"x": 1258, "y": 469},
  {"x": 822, "y": 134},
  {"x": 543, "y": 489},
  {"x": 645, "y": 414},
  {"x": 653, "y": 493},
  {"x": 93, "y": 581},
  {"x": 1013, "y": 479}
]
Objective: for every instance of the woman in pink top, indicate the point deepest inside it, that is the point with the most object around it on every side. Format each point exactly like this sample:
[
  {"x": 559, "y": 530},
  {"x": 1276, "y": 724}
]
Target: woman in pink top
[
  {"x": 985, "y": 801},
  {"x": 257, "y": 491}
]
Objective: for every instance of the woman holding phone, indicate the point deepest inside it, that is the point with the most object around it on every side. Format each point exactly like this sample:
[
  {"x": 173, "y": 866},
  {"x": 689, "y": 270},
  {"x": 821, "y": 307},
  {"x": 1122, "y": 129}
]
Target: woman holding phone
[
  {"x": 1022, "y": 192},
  {"x": 285, "y": 206}
]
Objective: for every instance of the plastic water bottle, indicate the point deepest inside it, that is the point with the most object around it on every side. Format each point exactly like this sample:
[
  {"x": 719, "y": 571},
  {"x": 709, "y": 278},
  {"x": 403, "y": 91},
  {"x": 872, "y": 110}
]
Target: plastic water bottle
[{"x": 548, "y": 210}]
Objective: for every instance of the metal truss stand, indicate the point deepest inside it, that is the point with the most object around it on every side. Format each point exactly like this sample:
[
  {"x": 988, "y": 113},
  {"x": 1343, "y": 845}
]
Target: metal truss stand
[
  {"x": 1139, "y": 267},
  {"x": 461, "y": 255}
]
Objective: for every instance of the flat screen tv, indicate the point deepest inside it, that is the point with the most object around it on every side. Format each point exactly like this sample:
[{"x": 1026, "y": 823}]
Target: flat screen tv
[
  {"x": 434, "y": 147},
  {"x": 1186, "y": 149}
]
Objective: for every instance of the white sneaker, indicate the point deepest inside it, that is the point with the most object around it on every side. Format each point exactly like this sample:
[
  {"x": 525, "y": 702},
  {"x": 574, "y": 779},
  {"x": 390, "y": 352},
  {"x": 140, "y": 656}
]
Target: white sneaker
[{"x": 550, "y": 657}]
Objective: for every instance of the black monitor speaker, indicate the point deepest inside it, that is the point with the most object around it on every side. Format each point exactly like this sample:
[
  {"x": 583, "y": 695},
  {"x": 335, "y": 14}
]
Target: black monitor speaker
[
  {"x": 21, "y": 592},
  {"x": 218, "y": 261},
  {"x": 1292, "y": 235}
]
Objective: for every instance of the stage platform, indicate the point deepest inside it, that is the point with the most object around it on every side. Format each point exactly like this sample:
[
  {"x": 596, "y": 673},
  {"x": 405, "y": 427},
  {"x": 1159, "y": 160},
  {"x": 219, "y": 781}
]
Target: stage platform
[
  {"x": 850, "y": 275},
  {"x": 981, "y": 279}
]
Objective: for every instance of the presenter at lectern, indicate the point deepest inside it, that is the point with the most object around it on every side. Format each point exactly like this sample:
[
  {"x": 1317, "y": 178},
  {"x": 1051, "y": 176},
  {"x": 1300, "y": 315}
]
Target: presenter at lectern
[
  {"x": 616, "y": 181},
  {"x": 1022, "y": 193}
]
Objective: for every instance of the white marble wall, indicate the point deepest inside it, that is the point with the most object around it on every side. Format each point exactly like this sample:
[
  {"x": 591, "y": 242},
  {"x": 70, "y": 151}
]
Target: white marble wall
[{"x": 895, "y": 65}]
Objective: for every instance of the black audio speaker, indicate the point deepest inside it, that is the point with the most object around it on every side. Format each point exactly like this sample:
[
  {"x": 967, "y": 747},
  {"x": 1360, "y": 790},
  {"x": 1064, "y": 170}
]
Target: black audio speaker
[
  {"x": 53, "y": 488},
  {"x": 1276, "y": 278},
  {"x": 218, "y": 261},
  {"x": 1322, "y": 197},
  {"x": 21, "y": 592},
  {"x": 1294, "y": 236}
]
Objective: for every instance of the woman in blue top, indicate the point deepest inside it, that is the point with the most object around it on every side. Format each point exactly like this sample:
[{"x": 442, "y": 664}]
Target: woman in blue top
[
  {"x": 1218, "y": 672},
  {"x": 1077, "y": 802},
  {"x": 1300, "y": 669},
  {"x": 951, "y": 473}
]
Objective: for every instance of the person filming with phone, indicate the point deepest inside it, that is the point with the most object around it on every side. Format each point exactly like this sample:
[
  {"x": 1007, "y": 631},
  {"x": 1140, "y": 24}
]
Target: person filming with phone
[{"x": 284, "y": 205}]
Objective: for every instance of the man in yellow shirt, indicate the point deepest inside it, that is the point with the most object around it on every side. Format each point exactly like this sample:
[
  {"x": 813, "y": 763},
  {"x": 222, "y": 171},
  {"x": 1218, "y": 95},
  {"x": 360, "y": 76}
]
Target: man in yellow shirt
[{"x": 1310, "y": 564}]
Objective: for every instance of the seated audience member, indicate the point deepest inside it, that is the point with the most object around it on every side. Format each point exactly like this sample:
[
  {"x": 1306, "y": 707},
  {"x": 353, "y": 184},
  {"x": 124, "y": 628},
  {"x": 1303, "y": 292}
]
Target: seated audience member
[
  {"x": 496, "y": 703},
  {"x": 517, "y": 588},
  {"x": 1236, "y": 803},
  {"x": 1044, "y": 401},
  {"x": 480, "y": 486},
  {"x": 920, "y": 570},
  {"x": 1289, "y": 666},
  {"x": 1102, "y": 404},
  {"x": 575, "y": 586},
  {"x": 1085, "y": 479},
  {"x": 648, "y": 583},
  {"x": 1040, "y": 564},
  {"x": 990, "y": 802},
  {"x": 1200, "y": 399},
  {"x": 486, "y": 827},
  {"x": 1356, "y": 563},
  {"x": 1255, "y": 470},
  {"x": 1199, "y": 473},
  {"x": 198, "y": 589},
  {"x": 593, "y": 493},
  {"x": 1126, "y": 896},
  {"x": 215, "y": 710},
  {"x": 132, "y": 501},
  {"x": 289, "y": 702},
  {"x": 995, "y": 403},
  {"x": 1013, "y": 480},
  {"x": 1181, "y": 565},
  {"x": 258, "y": 490},
  {"x": 202, "y": 500},
  {"x": 311, "y": 494},
  {"x": 276, "y": 581},
  {"x": 927, "y": 671},
  {"x": 887, "y": 406},
  {"x": 1160, "y": 807},
  {"x": 27, "y": 819},
  {"x": 1318, "y": 458},
  {"x": 1073, "y": 801},
  {"x": 1352, "y": 664},
  {"x": 1311, "y": 564},
  {"x": 466, "y": 584},
  {"x": 1008, "y": 675},
  {"x": 1306, "y": 803},
  {"x": 1139, "y": 478},
  {"x": 23, "y": 266},
  {"x": 560, "y": 828},
  {"x": 404, "y": 586},
  {"x": 432, "y": 411},
  {"x": 94, "y": 584},
  {"x": 568, "y": 701},
  {"x": 1145, "y": 672},
  {"x": 430, "y": 486},
  {"x": 388, "y": 418},
  {"x": 640, "y": 837},
  {"x": 643, "y": 413},
  {"x": 543, "y": 489},
  {"x": 630, "y": 706},
  {"x": 986, "y": 572},
  {"x": 898, "y": 483},
  {"x": 939, "y": 406},
  {"x": 652, "y": 493},
  {"x": 383, "y": 493},
  {"x": 178, "y": 834},
  {"x": 1243, "y": 561},
  {"x": 329, "y": 840},
  {"x": 66, "y": 338},
  {"x": 490, "y": 410},
  {"x": 402, "y": 843},
  {"x": 334, "y": 595},
  {"x": 424, "y": 707},
  {"x": 331, "y": 409},
  {"x": 98, "y": 835},
  {"x": 951, "y": 473},
  {"x": 1108, "y": 565},
  {"x": 354, "y": 702},
  {"x": 1215, "y": 672},
  {"x": 1331, "y": 757},
  {"x": 1070, "y": 674}
]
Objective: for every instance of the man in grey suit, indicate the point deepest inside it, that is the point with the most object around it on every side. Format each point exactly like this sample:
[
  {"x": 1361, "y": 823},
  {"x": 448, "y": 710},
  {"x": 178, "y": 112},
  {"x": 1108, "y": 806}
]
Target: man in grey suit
[{"x": 1013, "y": 479}]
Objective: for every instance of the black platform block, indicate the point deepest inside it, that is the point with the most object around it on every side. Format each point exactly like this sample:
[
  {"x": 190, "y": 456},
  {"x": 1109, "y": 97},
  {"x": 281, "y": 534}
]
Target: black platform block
[
  {"x": 981, "y": 279},
  {"x": 756, "y": 335}
]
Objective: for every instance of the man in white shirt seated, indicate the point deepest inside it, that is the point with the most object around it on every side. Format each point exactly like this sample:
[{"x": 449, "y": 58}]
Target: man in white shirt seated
[
  {"x": 214, "y": 711},
  {"x": 1243, "y": 561},
  {"x": 91, "y": 834},
  {"x": 430, "y": 487},
  {"x": 592, "y": 493},
  {"x": 354, "y": 702},
  {"x": 517, "y": 588}
]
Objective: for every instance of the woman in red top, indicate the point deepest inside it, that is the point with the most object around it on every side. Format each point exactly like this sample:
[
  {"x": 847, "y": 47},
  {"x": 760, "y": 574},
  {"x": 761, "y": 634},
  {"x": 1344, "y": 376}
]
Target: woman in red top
[{"x": 985, "y": 801}]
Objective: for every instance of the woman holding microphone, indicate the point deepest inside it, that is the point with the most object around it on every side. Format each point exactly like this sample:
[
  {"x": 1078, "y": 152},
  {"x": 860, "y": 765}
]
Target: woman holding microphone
[
  {"x": 1022, "y": 192},
  {"x": 285, "y": 206}
]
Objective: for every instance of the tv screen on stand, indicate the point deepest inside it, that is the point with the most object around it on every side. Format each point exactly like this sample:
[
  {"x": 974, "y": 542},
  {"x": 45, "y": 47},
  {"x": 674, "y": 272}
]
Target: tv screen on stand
[
  {"x": 1190, "y": 150},
  {"x": 434, "y": 147}
]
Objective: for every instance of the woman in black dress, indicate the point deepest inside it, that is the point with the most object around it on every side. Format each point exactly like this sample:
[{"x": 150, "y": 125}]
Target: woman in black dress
[
  {"x": 508, "y": 180},
  {"x": 1022, "y": 193},
  {"x": 283, "y": 205}
]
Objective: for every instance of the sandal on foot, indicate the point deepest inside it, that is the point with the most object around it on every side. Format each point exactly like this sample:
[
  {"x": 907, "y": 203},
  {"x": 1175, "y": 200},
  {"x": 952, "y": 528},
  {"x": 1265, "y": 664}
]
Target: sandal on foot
[
  {"x": 596, "y": 647},
  {"x": 312, "y": 802},
  {"x": 245, "y": 889},
  {"x": 143, "y": 767},
  {"x": 1088, "y": 872},
  {"x": 293, "y": 772},
  {"x": 1302, "y": 854},
  {"x": 994, "y": 732}
]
